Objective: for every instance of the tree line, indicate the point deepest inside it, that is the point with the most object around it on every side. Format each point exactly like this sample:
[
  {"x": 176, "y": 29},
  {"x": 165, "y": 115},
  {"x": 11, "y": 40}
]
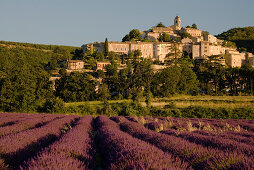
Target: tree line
[{"x": 25, "y": 85}]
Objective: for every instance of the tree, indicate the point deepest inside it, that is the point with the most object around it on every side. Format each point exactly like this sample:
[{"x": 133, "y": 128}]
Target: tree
[
  {"x": 164, "y": 38},
  {"x": 186, "y": 35},
  {"x": 174, "y": 54},
  {"x": 53, "y": 105},
  {"x": 205, "y": 33},
  {"x": 77, "y": 54},
  {"x": 194, "y": 26},
  {"x": 137, "y": 53},
  {"x": 106, "y": 47},
  {"x": 134, "y": 34},
  {"x": 103, "y": 93},
  {"x": 99, "y": 56},
  {"x": 160, "y": 25},
  {"x": 126, "y": 38},
  {"x": 75, "y": 87}
]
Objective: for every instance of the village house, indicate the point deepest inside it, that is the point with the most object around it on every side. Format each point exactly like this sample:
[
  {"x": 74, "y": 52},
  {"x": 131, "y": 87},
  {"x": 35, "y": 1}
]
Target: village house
[
  {"x": 75, "y": 64},
  {"x": 199, "y": 46}
]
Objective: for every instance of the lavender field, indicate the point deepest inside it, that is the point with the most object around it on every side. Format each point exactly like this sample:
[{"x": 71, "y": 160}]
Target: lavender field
[{"x": 46, "y": 141}]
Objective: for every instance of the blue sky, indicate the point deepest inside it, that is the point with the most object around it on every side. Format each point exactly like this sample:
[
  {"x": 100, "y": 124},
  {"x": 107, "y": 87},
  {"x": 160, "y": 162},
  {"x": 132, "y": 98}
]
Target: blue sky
[{"x": 75, "y": 22}]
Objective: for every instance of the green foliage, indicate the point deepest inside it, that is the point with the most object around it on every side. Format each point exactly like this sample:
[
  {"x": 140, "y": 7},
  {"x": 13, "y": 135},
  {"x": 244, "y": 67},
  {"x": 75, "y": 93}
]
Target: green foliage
[
  {"x": 24, "y": 84},
  {"x": 243, "y": 37},
  {"x": 179, "y": 78},
  {"x": 186, "y": 35},
  {"x": 217, "y": 113},
  {"x": 164, "y": 38},
  {"x": 137, "y": 53},
  {"x": 131, "y": 109},
  {"x": 64, "y": 52},
  {"x": 133, "y": 35},
  {"x": 160, "y": 25},
  {"x": 84, "y": 109},
  {"x": 205, "y": 33},
  {"x": 194, "y": 26},
  {"x": 53, "y": 105},
  {"x": 106, "y": 47},
  {"x": 103, "y": 93},
  {"x": 216, "y": 80},
  {"x": 126, "y": 38},
  {"x": 228, "y": 44},
  {"x": 75, "y": 87}
]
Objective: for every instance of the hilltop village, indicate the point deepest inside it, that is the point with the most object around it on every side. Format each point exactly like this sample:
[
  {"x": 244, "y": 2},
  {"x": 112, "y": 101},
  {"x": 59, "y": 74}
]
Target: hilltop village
[
  {"x": 196, "y": 43},
  {"x": 146, "y": 65}
]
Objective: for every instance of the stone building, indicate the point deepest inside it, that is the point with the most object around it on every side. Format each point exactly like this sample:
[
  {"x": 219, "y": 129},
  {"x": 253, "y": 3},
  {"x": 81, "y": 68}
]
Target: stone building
[
  {"x": 199, "y": 46},
  {"x": 173, "y": 31},
  {"x": 234, "y": 58},
  {"x": 75, "y": 64},
  {"x": 101, "y": 65}
]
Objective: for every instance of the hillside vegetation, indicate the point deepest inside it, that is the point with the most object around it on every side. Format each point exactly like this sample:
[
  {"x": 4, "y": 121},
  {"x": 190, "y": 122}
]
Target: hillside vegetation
[
  {"x": 24, "y": 74},
  {"x": 243, "y": 37}
]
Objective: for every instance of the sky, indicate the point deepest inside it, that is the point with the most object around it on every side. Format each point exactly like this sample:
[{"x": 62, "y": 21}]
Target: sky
[{"x": 77, "y": 22}]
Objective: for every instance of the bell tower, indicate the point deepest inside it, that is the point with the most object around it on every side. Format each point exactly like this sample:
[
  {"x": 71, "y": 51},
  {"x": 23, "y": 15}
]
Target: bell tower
[{"x": 177, "y": 23}]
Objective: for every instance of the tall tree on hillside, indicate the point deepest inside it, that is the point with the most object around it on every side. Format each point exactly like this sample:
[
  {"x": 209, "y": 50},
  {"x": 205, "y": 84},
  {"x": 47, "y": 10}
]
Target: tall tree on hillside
[
  {"x": 106, "y": 47},
  {"x": 174, "y": 53}
]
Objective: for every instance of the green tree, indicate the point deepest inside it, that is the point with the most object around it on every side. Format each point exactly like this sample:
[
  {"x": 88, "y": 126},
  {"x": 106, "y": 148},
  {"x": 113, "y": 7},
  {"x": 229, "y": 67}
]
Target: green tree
[
  {"x": 106, "y": 47},
  {"x": 75, "y": 87},
  {"x": 137, "y": 54},
  {"x": 135, "y": 34},
  {"x": 160, "y": 25},
  {"x": 164, "y": 38},
  {"x": 174, "y": 54},
  {"x": 194, "y": 26},
  {"x": 126, "y": 38},
  {"x": 186, "y": 35}
]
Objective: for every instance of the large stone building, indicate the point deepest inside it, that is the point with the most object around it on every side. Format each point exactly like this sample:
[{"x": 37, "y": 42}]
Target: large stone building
[
  {"x": 152, "y": 50},
  {"x": 199, "y": 46}
]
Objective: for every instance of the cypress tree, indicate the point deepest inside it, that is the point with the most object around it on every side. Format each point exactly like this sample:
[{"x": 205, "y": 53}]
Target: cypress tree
[{"x": 106, "y": 47}]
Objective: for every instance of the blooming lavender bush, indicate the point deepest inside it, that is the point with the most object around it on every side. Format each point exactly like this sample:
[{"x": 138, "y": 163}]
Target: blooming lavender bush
[
  {"x": 200, "y": 157},
  {"x": 27, "y": 123},
  {"x": 73, "y": 151},
  {"x": 15, "y": 148},
  {"x": 122, "y": 151}
]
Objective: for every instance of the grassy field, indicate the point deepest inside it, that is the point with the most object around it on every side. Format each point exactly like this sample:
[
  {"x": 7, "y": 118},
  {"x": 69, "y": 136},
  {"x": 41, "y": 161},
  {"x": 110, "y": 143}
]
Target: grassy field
[
  {"x": 94, "y": 103},
  {"x": 186, "y": 101}
]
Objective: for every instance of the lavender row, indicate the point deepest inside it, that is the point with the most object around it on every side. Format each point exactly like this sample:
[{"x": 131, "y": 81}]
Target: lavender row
[
  {"x": 16, "y": 148},
  {"x": 122, "y": 151},
  {"x": 230, "y": 136},
  {"x": 73, "y": 151},
  {"x": 28, "y": 123},
  {"x": 215, "y": 142},
  {"x": 202, "y": 124},
  {"x": 200, "y": 157},
  {"x": 9, "y": 119},
  {"x": 2, "y": 165},
  {"x": 235, "y": 136}
]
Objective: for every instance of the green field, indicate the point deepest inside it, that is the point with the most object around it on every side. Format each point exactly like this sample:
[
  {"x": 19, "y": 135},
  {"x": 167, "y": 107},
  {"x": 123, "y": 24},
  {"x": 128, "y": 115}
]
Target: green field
[{"x": 186, "y": 101}]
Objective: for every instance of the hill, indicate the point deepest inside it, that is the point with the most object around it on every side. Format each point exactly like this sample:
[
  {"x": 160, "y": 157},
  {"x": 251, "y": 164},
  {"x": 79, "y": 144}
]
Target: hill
[
  {"x": 57, "y": 49},
  {"x": 243, "y": 37}
]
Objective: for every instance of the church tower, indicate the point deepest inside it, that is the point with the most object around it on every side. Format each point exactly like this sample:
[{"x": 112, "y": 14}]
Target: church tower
[{"x": 177, "y": 23}]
